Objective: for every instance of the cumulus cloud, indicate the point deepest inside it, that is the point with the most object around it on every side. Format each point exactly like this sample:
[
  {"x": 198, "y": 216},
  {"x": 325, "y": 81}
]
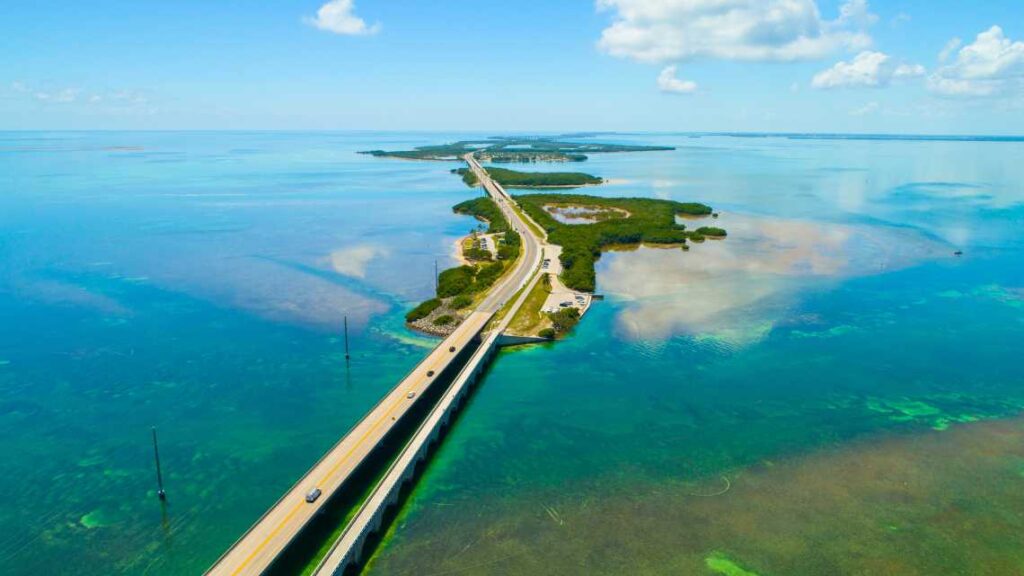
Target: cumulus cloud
[
  {"x": 337, "y": 16},
  {"x": 668, "y": 82},
  {"x": 867, "y": 69},
  {"x": 752, "y": 30},
  {"x": 991, "y": 65}
]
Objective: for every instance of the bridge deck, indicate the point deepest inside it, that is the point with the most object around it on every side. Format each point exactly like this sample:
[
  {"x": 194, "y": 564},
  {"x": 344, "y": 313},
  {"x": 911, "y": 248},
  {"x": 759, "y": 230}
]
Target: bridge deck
[{"x": 264, "y": 542}]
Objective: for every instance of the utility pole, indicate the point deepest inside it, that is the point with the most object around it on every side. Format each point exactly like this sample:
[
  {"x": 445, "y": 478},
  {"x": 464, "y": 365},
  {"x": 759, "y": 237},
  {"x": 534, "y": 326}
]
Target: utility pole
[
  {"x": 346, "y": 338},
  {"x": 159, "y": 476}
]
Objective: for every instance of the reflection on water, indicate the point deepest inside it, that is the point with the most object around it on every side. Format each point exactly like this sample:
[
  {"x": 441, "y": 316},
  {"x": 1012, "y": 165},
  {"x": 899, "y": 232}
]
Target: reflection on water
[
  {"x": 196, "y": 282},
  {"x": 736, "y": 289},
  {"x": 815, "y": 394},
  {"x": 712, "y": 413}
]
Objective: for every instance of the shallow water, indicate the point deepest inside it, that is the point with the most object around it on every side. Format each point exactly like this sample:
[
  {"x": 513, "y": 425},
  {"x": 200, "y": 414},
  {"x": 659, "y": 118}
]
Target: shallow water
[
  {"x": 833, "y": 325},
  {"x": 197, "y": 282}
]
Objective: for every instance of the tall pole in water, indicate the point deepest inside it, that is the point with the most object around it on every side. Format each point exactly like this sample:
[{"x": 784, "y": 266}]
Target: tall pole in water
[
  {"x": 346, "y": 337},
  {"x": 159, "y": 476}
]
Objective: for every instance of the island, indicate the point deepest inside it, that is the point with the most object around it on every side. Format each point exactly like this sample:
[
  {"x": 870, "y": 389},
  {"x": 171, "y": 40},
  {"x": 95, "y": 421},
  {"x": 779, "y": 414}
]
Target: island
[
  {"x": 584, "y": 226},
  {"x": 574, "y": 230},
  {"x": 487, "y": 257},
  {"x": 515, "y": 150},
  {"x": 516, "y": 179},
  {"x": 578, "y": 228}
]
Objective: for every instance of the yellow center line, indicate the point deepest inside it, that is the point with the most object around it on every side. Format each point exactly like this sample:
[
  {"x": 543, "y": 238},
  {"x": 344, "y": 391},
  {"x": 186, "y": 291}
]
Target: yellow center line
[{"x": 394, "y": 405}]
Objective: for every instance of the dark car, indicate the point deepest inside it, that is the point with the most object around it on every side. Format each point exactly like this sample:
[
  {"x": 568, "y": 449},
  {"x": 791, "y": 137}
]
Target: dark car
[
  {"x": 430, "y": 373},
  {"x": 451, "y": 349}
]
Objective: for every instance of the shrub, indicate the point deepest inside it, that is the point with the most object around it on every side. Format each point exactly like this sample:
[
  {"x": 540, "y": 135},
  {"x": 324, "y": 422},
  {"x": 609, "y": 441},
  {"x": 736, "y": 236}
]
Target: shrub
[
  {"x": 460, "y": 301},
  {"x": 423, "y": 310},
  {"x": 444, "y": 320},
  {"x": 712, "y": 231},
  {"x": 548, "y": 333},
  {"x": 650, "y": 220},
  {"x": 506, "y": 252},
  {"x": 477, "y": 254},
  {"x": 564, "y": 320},
  {"x": 485, "y": 209},
  {"x": 487, "y": 275},
  {"x": 455, "y": 281}
]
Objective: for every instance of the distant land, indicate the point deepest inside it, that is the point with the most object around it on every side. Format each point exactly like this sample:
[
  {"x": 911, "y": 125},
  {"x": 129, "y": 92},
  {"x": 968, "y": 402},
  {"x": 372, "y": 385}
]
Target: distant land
[{"x": 499, "y": 149}]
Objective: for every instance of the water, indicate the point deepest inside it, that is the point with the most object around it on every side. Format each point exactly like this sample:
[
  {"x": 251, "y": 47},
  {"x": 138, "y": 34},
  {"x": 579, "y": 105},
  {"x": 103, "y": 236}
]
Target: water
[
  {"x": 197, "y": 283},
  {"x": 795, "y": 399},
  {"x": 829, "y": 390}
]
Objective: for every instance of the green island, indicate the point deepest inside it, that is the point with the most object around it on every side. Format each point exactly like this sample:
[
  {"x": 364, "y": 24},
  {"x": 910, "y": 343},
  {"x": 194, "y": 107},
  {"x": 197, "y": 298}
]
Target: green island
[
  {"x": 580, "y": 227},
  {"x": 516, "y": 179},
  {"x": 614, "y": 222},
  {"x": 515, "y": 150},
  {"x": 459, "y": 288}
]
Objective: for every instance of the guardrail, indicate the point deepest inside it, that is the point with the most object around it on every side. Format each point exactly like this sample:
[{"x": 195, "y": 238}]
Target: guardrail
[{"x": 348, "y": 548}]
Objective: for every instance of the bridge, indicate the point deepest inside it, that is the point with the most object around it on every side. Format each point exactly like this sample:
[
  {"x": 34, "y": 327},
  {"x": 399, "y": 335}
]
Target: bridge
[{"x": 261, "y": 545}]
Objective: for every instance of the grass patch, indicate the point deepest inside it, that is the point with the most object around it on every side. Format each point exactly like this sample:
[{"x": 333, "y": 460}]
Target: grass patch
[
  {"x": 721, "y": 564},
  {"x": 529, "y": 318}
]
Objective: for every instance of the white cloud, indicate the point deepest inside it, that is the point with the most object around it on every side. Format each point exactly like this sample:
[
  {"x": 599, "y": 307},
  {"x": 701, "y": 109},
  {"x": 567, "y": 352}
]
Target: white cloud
[
  {"x": 337, "y": 16},
  {"x": 668, "y": 82},
  {"x": 64, "y": 96},
  {"x": 899, "y": 19},
  {"x": 869, "y": 108},
  {"x": 118, "y": 100},
  {"x": 752, "y": 30},
  {"x": 867, "y": 69},
  {"x": 949, "y": 49},
  {"x": 991, "y": 65}
]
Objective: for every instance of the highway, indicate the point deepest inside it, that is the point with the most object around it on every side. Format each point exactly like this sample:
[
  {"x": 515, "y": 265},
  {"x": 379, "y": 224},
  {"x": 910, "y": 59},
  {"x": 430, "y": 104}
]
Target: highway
[{"x": 257, "y": 549}]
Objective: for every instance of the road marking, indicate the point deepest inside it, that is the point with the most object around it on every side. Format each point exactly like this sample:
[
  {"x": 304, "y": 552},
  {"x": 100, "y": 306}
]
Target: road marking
[
  {"x": 492, "y": 189},
  {"x": 394, "y": 405}
]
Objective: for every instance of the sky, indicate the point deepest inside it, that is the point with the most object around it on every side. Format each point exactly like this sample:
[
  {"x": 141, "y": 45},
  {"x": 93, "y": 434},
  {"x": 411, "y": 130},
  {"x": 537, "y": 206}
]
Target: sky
[{"x": 902, "y": 66}]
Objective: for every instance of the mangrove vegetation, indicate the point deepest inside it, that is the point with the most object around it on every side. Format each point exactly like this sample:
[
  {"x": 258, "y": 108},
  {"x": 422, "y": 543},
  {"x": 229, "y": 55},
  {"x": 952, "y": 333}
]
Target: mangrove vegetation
[
  {"x": 639, "y": 220},
  {"x": 514, "y": 150},
  {"x": 516, "y": 179}
]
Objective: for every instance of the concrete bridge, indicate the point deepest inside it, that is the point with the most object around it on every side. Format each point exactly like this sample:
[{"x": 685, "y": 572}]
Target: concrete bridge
[{"x": 265, "y": 542}]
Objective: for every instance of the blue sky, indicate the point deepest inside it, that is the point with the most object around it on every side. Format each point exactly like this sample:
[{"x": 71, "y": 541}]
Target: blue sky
[{"x": 905, "y": 66}]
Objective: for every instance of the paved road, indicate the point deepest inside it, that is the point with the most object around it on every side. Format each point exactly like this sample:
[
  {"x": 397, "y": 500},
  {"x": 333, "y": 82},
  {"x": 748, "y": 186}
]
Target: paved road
[{"x": 254, "y": 552}]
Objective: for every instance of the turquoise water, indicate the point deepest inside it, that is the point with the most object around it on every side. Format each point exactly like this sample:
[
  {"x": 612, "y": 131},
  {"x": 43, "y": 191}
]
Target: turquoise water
[
  {"x": 835, "y": 315},
  {"x": 197, "y": 282}
]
